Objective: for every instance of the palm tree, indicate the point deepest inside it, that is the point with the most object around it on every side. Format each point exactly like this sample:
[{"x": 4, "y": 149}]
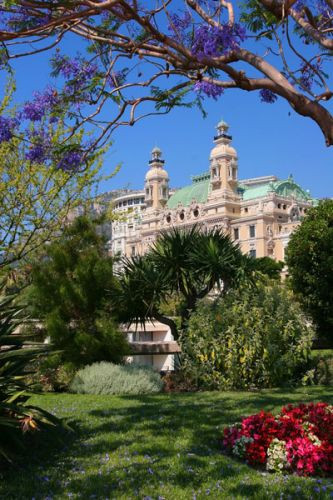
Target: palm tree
[{"x": 188, "y": 263}]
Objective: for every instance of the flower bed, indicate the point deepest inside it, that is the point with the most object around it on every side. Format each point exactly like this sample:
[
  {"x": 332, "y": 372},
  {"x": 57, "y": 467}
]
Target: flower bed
[{"x": 298, "y": 440}]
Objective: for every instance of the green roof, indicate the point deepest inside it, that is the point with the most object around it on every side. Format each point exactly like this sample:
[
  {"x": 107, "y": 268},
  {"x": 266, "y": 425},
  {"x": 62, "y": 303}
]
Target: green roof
[
  {"x": 286, "y": 188},
  {"x": 198, "y": 191}
]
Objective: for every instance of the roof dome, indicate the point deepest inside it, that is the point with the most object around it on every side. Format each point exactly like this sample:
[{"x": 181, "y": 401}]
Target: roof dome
[
  {"x": 156, "y": 149},
  {"x": 223, "y": 124},
  {"x": 157, "y": 172},
  {"x": 224, "y": 148}
]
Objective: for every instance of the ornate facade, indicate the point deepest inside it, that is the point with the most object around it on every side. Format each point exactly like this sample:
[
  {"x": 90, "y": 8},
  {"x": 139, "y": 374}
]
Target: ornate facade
[{"x": 259, "y": 213}]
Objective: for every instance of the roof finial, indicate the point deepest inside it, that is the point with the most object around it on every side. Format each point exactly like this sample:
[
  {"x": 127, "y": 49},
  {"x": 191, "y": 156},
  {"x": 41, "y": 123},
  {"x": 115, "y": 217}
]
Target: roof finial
[
  {"x": 156, "y": 153},
  {"x": 222, "y": 127}
]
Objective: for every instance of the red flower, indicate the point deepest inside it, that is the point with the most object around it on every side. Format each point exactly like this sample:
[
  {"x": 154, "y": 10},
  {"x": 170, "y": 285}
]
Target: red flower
[{"x": 306, "y": 430}]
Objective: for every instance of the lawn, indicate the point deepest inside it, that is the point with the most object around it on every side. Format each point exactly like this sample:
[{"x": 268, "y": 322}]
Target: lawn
[{"x": 154, "y": 447}]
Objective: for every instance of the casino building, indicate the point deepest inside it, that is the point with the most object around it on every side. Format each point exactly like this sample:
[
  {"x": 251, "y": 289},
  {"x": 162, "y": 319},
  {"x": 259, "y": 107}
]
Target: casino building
[{"x": 259, "y": 213}]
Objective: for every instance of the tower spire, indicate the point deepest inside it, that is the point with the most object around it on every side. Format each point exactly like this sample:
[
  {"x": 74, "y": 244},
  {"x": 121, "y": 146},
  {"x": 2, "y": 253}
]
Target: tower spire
[{"x": 157, "y": 181}]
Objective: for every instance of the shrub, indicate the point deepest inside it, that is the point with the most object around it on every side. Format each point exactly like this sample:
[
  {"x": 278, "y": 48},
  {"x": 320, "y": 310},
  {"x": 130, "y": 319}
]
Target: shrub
[
  {"x": 323, "y": 366},
  {"x": 107, "y": 378},
  {"x": 50, "y": 374},
  {"x": 249, "y": 339}
]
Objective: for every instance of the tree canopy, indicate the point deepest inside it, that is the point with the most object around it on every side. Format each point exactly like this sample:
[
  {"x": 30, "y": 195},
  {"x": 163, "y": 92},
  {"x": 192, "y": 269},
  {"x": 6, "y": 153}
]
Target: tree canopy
[
  {"x": 310, "y": 265},
  {"x": 149, "y": 57}
]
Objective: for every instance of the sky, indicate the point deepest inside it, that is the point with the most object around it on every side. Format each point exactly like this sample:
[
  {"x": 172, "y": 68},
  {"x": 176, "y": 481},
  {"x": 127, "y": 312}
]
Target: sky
[{"x": 271, "y": 139}]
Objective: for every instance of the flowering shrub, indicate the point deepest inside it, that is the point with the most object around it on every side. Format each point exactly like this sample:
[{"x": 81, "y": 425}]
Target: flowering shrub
[
  {"x": 298, "y": 440},
  {"x": 250, "y": 337}
]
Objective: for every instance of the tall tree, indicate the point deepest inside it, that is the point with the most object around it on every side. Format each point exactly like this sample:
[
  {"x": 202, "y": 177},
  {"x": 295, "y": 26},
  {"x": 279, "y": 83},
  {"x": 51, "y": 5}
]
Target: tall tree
[
  {"x": 310, "y": 265},
  {"x": 159, "y": 52},
  {"x": 70, "y": 295}
]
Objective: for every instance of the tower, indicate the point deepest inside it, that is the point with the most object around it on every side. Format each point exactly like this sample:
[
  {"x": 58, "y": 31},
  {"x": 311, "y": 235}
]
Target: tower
[
  {"x": 157, "y": 182},
  {"x": 223, "y": 163}
]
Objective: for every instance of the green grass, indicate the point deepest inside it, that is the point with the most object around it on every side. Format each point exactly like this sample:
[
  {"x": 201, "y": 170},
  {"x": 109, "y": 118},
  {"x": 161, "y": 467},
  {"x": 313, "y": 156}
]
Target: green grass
[{"x": 159, "y": 447}]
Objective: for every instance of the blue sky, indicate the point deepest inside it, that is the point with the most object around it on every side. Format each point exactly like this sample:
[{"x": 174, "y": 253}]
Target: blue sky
[{"x": 269, "y": 138}]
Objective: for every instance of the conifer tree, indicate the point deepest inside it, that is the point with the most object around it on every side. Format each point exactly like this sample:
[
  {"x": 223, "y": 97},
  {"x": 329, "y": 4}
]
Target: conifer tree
[{"x": 70, "y": 294}]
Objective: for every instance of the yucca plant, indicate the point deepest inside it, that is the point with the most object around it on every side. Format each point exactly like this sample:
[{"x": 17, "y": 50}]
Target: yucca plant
[
  {"x": 188, "y": 264},
  {"x": 17, "y": 351}
]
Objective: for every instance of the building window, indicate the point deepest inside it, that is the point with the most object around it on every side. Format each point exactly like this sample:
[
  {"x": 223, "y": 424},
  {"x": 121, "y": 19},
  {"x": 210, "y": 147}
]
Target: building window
[
  {"x": 252, "y": 230},
  {"x": 168, "y": 219},
  {"x": 133, "y": 251},
  {"x": 196, "y": 212},
  {"x": 182, "y": 216},
  {"x": 236, "y": 233},
  {"x": 279, "y": 205},
  {"x": 284, "y": 207},
  {"x": 246, "y": 210},
  {"x": 253, "y": 253}
]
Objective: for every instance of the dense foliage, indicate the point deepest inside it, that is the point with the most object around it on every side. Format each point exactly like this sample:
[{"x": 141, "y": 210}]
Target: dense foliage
[
  {"x": 310, "y": 265},
  {"x": 107, "y": 378},
  {"x": 252, "y": 338},
  {"x": 183, "y": 263},
  {"x": 70, "y": 293},
  {"x": 169, "y": 54},
  {"x": 17, "y": 418},
  {"x": 298, "y": 440},
  {"x": 270, "y": 267}
]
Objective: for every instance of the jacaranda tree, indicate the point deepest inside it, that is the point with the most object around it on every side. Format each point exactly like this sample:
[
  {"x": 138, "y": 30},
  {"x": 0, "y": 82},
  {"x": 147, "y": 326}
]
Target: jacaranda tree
[
  {"x": 167, "y": 54},
  {"x": 187, "y": 264},
  {"x": 41, "y": 180}
]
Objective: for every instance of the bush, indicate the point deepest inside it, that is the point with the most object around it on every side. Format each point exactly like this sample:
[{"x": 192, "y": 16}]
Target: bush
[
  {"x": 251, "y": 338},
  {"x": 51, "y": 374},
  {"x": 323, "y": 366},
  {"x": 107, "y": 378}
]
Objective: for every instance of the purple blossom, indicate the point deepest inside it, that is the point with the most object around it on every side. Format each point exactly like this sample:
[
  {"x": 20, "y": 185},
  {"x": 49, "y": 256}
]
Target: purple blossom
[
  {"x": 117, "y": 78},
  {"x": 40, "y": 147},
  {"x": 209, "y": 88},
  {"x": 71, "y": 160},
  {"x": 210, "y": 41},
  {"x": 42, "y": 102},
  {"x": 308, "y": 74},
  {"x": 7, "y": 126},
  {"x": 267, "y": 96},
  {"x": 179, "y": 23},
  {"x": 78, "y": 70}
]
